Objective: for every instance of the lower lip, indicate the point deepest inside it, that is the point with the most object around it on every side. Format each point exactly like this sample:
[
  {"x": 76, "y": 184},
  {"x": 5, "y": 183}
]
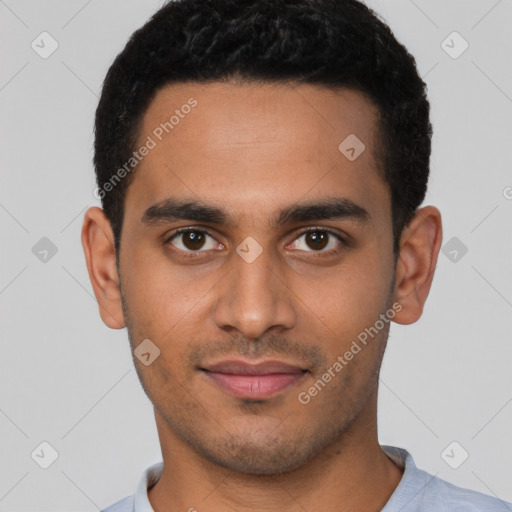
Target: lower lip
[{"x": 254, "y": 386}]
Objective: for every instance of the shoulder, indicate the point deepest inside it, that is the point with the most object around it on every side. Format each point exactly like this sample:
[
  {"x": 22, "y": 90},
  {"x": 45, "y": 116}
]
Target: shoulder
[
  {"x": 124, "y": 505},
  {"x": 442, "y": 495},
  {"x": 419, "y": 491}
]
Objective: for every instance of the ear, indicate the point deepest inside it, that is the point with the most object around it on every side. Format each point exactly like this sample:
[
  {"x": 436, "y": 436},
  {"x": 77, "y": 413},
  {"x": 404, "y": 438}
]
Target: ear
[
  {"x": 419, "y": 247},
  {"x": 100, "y": 256}
]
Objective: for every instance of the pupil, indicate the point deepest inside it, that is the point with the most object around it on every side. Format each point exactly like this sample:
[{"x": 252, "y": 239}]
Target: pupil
[
  {"x": 193, "y": 240},
  {"x": 318, "y": 239}
]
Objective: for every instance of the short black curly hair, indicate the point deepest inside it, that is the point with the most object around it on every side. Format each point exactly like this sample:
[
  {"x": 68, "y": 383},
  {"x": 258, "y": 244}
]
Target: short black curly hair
[{"x": 331, "y": 43}]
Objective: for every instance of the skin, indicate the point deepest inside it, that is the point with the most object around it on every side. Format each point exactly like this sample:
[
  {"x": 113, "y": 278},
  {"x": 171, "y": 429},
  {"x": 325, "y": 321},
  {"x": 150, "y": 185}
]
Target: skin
[{"x": 253, "y": 150}]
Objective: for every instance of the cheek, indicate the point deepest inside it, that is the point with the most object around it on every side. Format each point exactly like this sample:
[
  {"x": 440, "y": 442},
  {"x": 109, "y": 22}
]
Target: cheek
[
  {"x": 159, "y": 292},
  {"x": 348, "y": 298}
]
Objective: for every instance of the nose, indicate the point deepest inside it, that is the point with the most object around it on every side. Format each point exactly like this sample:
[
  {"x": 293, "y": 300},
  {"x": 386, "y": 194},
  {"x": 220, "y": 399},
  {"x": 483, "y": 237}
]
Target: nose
[{"x": 254, "y": 297}]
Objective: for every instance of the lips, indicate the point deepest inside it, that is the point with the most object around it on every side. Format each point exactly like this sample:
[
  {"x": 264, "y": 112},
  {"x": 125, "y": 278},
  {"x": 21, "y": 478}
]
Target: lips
[{"x": 253, "y": 381}]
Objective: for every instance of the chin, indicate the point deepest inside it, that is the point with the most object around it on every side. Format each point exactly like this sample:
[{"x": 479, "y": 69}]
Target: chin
[{"x": 265, "y": 457}]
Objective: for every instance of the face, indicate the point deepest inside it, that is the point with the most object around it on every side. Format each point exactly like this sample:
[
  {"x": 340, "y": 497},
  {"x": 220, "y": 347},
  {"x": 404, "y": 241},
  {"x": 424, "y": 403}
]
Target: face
[{"x": 285, "y": 260}]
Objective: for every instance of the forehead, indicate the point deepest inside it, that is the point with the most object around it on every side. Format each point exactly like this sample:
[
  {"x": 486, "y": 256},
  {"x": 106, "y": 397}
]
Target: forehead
[{"x": 251, "y": 146}]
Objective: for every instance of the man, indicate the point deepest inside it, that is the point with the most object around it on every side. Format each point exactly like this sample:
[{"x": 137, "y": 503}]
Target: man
[{"x": 261, "y": 167}]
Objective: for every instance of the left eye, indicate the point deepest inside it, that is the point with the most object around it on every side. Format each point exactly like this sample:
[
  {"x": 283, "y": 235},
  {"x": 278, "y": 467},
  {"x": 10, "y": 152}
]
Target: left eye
[{"x": 319, "y": 240}]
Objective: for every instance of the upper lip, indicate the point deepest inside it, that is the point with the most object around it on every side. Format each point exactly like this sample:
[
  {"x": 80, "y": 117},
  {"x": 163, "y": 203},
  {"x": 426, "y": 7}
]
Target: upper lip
[{"x": 239, "y": 367}]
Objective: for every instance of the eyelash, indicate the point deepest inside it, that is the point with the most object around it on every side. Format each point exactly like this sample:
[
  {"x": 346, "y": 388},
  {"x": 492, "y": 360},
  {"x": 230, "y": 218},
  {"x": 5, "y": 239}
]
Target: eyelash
[{"x": 193, "y": 254}]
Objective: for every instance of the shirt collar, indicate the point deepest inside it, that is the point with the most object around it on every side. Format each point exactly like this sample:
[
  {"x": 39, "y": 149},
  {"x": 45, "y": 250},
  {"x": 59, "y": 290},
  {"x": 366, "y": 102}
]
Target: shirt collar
[{"x": 149, "y": 479}]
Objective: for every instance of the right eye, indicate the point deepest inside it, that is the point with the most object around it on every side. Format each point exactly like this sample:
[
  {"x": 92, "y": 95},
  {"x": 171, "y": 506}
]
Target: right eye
[{"x": 193, "y": 240}]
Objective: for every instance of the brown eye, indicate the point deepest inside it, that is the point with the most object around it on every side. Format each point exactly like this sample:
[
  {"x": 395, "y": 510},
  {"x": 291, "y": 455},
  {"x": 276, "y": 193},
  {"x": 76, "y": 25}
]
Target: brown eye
[
  {"x": 193, "y": 240},
  {"x": 317, "y": 240}
]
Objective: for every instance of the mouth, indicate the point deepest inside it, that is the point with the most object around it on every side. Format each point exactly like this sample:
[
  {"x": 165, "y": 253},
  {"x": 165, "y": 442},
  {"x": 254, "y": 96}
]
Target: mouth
[{"x": 253, "y": 381}]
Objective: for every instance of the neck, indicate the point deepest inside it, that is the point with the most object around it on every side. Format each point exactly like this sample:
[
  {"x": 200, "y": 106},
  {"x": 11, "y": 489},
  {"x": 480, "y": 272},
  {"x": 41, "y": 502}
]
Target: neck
[{"x": 354, "y": 474}]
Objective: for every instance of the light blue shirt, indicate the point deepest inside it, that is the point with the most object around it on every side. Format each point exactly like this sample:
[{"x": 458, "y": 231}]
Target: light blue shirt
[{"x": 418, "y": 491}]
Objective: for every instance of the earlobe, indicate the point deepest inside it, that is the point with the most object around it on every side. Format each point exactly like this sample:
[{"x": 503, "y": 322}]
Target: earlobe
[
  {"x": 98, "y": 245},
  {"x": 419, "y": 248}
]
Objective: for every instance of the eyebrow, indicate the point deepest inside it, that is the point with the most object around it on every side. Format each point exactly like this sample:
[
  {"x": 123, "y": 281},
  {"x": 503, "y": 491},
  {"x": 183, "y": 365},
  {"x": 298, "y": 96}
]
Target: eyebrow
[{"x": 171, "y": 209}]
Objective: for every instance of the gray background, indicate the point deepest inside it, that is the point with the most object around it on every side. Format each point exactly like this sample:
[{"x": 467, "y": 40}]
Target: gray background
[{"x": 68, "y": 380}]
